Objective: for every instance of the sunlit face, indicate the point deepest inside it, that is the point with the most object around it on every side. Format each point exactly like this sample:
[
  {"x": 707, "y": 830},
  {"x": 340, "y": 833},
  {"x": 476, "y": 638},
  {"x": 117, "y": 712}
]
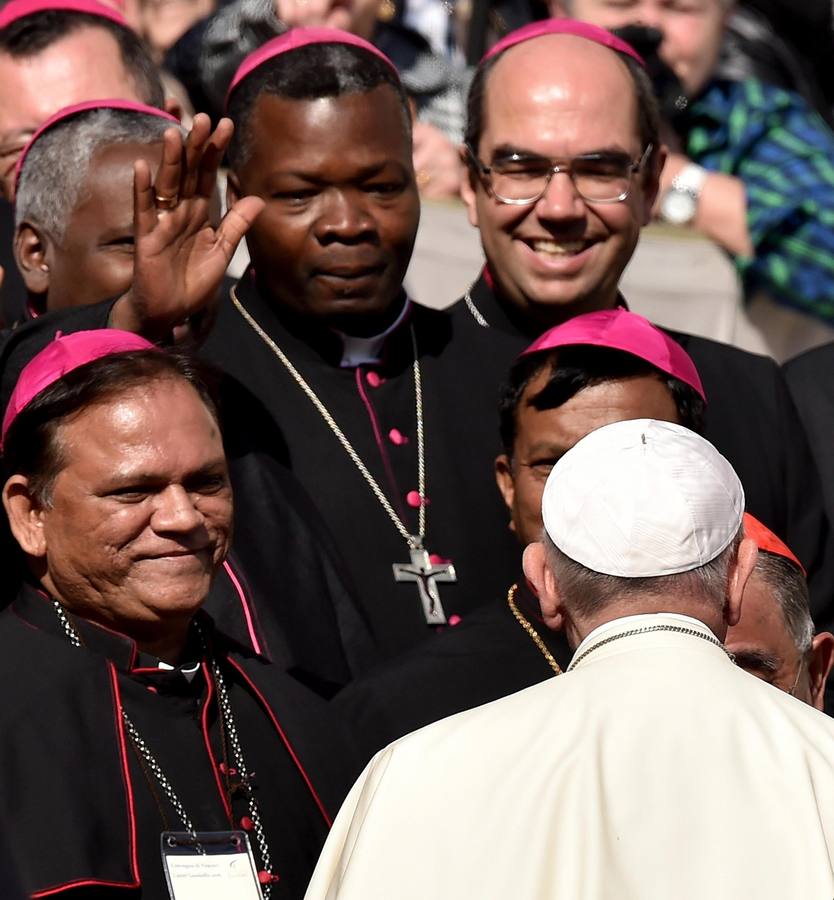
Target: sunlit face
[
  {"x": 85, "y": 65},
  {"x": 558, "y": 97},
  {"x": 692, "y": 30},
  {"x": 342, "y": 209},
  {"x": 163, "y": 22},
  {"x": 141, "y": 513},
  {"x": 356, "y": 16},
  {"x": 763, "y": 645},
  {"x": 544, "y": 436},
  {"x": 94, "y": 259}
]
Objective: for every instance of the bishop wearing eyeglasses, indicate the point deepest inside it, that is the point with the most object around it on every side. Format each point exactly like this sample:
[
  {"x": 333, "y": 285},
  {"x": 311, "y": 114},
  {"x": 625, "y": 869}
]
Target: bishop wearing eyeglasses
[{"x": 564, "y": 156}]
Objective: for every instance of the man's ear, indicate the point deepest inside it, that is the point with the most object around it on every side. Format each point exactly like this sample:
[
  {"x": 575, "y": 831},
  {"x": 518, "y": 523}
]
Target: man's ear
[
  {"x": 32, "y": 250},
  {"x": 505, "y": 482},
  {"x": 25, "y": 516},
  {"x": 651, "y": 182},
  {"x": 469, "y": 188},
  {"x": 821, "y": 658},
  {"x": 173, "y": 106},
  {"x": 740, "y": 570},
  {"x": 545, "y": 586}
]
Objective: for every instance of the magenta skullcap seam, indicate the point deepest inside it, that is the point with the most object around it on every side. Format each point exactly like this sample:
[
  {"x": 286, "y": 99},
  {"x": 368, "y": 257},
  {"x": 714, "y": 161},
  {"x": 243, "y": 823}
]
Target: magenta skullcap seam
[
  {"x": 19, "y": 9},
  {"x": 69, "y": 111},
  {"x": 63, "y": 355},
  {"x": 296, "y": 38},
  {"x": 620, "y": 329},
  {"x": 563, "y": 26}
]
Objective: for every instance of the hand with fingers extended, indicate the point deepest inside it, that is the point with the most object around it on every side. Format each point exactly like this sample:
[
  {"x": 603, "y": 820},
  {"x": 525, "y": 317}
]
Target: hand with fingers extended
[{"x": 179, "y": 257}]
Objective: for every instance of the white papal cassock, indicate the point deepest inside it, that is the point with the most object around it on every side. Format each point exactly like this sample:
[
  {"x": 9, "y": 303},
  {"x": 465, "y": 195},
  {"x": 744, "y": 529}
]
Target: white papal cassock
[{"x": 655, "y": 770}]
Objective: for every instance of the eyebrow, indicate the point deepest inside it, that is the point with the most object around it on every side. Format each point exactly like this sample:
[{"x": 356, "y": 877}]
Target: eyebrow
[
  {"x": 127, "y": 478},
  {"x": 541, "y": 448},
  {"x": 757, "y": 660},
  {"x": 120, "y": 231},
  {"x": 504, "y": 151},
  {"x": 369, "y": 171}
]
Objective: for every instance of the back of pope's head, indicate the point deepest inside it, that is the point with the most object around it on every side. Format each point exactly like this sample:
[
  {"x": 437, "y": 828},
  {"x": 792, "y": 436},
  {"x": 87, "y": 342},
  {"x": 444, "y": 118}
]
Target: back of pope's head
[{"x": 640, "y": 516}]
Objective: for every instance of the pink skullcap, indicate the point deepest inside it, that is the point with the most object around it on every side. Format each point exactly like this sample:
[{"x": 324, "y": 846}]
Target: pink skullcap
[
  {"x": 563, "y": 26},
  {"x": 65, "y": 353},
  {"x": 293, "y": 40},
  {"x": 619, "y": 329},
  {"x": 766, "y": 540},
  {"x": 69, "y": 111},
  {"x": 18, "y": 9}
]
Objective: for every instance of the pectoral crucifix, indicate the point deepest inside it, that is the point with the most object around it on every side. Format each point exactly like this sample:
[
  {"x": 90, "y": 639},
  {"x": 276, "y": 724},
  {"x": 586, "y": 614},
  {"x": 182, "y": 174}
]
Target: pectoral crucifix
[{"x": 421, "y": 570}]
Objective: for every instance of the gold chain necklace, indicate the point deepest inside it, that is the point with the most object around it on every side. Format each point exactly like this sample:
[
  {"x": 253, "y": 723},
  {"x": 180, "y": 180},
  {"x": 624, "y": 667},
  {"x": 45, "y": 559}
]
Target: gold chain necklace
[
  {"x": 420, "y": 569},
  {"x": 534, "y": 635},
  {"x": 412, "y": 540}
]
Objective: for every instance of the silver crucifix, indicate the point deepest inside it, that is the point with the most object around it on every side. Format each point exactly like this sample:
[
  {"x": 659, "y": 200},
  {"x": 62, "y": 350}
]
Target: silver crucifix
[{"x": 426, "y": 575}]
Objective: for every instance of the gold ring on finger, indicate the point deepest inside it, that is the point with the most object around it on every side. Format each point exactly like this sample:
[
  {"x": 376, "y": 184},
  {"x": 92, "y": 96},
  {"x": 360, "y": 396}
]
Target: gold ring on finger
[{"x": 166, "y": 202}]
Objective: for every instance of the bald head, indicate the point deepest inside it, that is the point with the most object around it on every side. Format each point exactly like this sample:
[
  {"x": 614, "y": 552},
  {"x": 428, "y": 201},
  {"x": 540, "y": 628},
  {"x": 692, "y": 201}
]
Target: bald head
[
  {"x": 564, "y": 66},
  {"x": 542, "y": 103}
]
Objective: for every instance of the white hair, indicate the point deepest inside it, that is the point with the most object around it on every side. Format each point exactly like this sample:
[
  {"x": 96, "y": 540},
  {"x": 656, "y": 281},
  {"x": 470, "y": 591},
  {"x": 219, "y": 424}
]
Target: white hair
[
  {"x": 56, "y": 168},
  {"x": 587, "y": 592}
]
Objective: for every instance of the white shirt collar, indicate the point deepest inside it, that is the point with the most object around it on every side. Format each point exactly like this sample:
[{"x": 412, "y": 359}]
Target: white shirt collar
[{"x": 367, "y": 351}]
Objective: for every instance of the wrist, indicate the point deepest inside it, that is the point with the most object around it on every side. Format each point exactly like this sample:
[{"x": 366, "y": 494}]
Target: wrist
[
  {"x": 125, "y": 315},
  {"x": 679, "y": 204}
]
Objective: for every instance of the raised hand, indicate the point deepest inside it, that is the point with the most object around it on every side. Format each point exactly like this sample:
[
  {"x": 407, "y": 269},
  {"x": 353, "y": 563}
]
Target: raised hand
[{"x": 179, "y": 258}]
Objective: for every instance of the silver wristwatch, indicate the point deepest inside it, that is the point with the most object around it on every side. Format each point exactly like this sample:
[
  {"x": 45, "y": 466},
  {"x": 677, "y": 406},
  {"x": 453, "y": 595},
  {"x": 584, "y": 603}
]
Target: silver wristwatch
[{"x": 680, "y": 203}]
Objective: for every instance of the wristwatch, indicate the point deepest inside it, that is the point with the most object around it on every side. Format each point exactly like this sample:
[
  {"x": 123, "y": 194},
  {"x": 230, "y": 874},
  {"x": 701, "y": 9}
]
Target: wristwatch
[{"x": 680, "y": 203}]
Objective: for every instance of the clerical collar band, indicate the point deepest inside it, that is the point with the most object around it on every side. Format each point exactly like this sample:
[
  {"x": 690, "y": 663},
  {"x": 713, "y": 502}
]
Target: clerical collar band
[
  {"x": 563, "y": 26},
  {"x": 619, "y": 329},
  {"x": 766, "y": 540},
  {"x": 19, "y": 9},
  {"x": 642, "y": 499},
  {"x": 68, "y": 112},
  {"x": 63, "y": 355},
  {"x": 359, "y": 351},
  {"x": 295, "y": 39}
]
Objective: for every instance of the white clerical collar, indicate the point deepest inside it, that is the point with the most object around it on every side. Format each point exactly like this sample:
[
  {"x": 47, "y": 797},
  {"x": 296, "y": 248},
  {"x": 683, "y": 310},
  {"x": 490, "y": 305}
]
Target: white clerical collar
[
  {"x": 627, "y": 622},
  {"x": 367, "y": 351},
  {"x": 188, "y": 671}
]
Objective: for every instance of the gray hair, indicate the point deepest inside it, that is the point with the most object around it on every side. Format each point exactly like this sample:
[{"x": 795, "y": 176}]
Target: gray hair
[
  {"x": 55, "y": 170},
  {"x": 586, "y": 592},
  {"x": 790, "y": 588}
]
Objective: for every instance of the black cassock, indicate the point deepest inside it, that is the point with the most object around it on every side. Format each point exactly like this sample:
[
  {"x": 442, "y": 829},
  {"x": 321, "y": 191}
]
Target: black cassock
[
  {"x": 375, "y": 406},
  {"x": 489, "y": 655},
  {"x": 753, "y": 422},
  {"x": 283, "y": 591},
  {"x": 80, "y": 809},
  {"x": 810, "y": 377}
]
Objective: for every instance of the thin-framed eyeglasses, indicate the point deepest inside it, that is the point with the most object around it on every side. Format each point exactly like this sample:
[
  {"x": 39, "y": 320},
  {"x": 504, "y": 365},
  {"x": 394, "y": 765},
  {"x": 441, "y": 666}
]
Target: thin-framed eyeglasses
[
  {"x": 801, "y": 666},
  {"x": 520, "y": 180}
]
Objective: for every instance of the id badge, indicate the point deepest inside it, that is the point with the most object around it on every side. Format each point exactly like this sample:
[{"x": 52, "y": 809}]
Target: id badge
[{"x": 211, "y": 865}]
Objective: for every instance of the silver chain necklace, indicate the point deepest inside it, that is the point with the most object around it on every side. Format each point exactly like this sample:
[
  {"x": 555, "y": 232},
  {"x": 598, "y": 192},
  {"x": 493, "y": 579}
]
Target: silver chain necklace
[
  {"x": 237, "y": 753},
  {"x": 679, "y": 629},
  {"x": 420, "y": 569},
  {"x": 476, "y": 313},
  {"x": 414, "y": 541}
]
